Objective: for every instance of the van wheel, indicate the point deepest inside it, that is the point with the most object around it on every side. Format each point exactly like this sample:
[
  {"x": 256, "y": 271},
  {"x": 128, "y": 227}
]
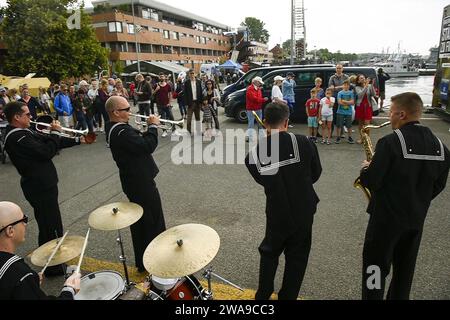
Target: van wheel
[{"x": 241, "y": 115}]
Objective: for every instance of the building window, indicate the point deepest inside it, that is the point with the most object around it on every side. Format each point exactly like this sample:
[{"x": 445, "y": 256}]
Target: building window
[
  {"x": 197, "y": 38},
  {"x": 146, "y": 14},
  {"x": 166, "y": 34},
  {"x": 175, "y": 35},
  {"x": 146, "y": 48},
  {"x": 130, "y": 28},
  {"x": 115, "y": 26},
  {"x": 203, "y": 40}
]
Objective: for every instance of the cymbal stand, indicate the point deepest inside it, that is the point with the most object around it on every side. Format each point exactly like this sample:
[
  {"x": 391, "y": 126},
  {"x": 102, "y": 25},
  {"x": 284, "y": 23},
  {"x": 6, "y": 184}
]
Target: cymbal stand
[
  {"x": 123, "y": 259},
  {"x": 207, "y": 275}
]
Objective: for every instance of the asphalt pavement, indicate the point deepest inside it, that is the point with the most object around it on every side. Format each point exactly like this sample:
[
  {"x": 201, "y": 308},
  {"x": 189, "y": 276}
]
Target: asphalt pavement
[{"x": 226, "y": 198}]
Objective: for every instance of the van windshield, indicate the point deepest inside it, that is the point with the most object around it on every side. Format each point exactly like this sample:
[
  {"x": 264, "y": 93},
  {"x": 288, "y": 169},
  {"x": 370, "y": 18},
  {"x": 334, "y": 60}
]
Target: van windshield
[{"x": 246, "y": 79}]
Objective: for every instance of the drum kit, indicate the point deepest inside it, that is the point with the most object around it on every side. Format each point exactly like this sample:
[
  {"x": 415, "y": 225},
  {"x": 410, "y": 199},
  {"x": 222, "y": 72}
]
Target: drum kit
[{"x": 171, "y": 259}]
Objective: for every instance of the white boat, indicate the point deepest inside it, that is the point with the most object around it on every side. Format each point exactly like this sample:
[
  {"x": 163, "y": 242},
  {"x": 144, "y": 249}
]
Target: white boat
[{"x": 398, "y": 67}]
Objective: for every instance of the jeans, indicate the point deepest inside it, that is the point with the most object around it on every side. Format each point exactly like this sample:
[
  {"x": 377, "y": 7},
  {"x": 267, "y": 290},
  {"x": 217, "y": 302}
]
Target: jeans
[
  {"x": 251, "y": 121},
  {"x": 81, "y": 121},
  {"x": 291, "y": 104},
  {"x": 165, "y": 112},
  {"x": 182, "y": 107}
]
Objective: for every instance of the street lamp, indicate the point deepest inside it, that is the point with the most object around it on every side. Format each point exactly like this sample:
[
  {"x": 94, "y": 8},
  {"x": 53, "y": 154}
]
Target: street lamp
[{"x": 135, "y": 38}]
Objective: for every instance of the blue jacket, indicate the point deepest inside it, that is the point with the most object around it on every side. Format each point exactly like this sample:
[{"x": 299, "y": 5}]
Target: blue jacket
[
  {"x": 62, "y": 104},
  {"x": 288, "y": 90}
]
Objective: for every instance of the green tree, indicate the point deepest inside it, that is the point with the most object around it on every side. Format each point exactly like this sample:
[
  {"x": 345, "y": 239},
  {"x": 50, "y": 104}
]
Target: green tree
[
  {"x": 38, "y": 40},
  {"x": 257, "y": 32}
]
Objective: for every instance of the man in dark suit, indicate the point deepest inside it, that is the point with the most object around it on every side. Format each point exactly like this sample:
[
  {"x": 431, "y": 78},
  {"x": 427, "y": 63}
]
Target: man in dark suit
[
  {"x": 287, "y": 177},
  {"x": 193, "y": 97}
]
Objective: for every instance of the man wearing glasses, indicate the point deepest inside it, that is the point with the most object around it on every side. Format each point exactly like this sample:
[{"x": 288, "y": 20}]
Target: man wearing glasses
[
  {"x": 132, "y": 151},
  {"x": 32, "y": 154},
  {"x": 17, "y": 280}
]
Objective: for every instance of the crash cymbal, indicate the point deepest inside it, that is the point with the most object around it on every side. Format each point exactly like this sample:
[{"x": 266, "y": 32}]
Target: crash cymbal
[
  {"x": 181, "y": 251},
  {"x": 115, "y": 216},
  {"x": 70, "y": 248}
]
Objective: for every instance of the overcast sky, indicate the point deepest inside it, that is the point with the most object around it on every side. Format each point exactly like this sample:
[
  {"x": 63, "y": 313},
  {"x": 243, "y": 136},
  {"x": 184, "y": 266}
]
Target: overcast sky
[{"x": 347, "y": 25}]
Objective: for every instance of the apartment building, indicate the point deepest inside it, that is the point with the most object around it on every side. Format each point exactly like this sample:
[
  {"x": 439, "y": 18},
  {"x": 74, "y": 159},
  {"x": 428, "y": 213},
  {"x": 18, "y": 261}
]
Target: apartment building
[{"x": 157, "y": 32}]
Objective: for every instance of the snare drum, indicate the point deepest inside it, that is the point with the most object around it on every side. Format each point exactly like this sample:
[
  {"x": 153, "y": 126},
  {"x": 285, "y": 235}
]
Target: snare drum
[{"x": 101, "y": 285}]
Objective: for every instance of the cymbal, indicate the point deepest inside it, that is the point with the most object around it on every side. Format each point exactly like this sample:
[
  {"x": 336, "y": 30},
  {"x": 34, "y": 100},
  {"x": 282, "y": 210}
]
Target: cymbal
[
  {"x": 70, "y": 248},
  {"x": 115, "y": 216},
  {"x": 181, "y": 251}
]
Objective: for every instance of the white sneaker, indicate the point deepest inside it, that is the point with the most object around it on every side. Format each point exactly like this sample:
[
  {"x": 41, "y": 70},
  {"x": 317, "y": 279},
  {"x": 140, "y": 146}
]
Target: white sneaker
[{"x": 164, "y": 134}]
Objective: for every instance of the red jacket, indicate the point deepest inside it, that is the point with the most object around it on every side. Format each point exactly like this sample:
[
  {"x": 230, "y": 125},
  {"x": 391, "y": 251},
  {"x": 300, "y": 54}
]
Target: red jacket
[{"x": 254, "y": 98}]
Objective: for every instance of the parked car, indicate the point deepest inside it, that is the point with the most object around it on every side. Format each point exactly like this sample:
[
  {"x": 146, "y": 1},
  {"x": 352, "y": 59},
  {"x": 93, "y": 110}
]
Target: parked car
[
  {"x": 305, "y": 79},
  {"x": 246, "y": 79}
]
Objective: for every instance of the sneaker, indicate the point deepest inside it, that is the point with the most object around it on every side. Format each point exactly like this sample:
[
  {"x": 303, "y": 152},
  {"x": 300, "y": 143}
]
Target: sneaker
[
  {"x": 164, "y": 134},
  {"x": 338, "y": 140},
  {"x": 323, "y": 141},
  {"x": 350, "y": 140},
  {"x": 328, "y": 142}
]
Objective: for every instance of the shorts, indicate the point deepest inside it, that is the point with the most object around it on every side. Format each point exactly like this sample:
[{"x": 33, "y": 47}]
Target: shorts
[
  {"x": 343, "y": 120},
  {"x": 312, "y": 122},
  {"x": 327, "y": 118}
]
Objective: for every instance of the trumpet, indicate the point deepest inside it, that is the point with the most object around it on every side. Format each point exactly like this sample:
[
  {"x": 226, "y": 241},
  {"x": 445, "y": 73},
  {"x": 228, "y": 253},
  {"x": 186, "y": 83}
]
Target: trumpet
[
  {"x": 165, "y": 124},
  {"x": 43, "y": 125}
]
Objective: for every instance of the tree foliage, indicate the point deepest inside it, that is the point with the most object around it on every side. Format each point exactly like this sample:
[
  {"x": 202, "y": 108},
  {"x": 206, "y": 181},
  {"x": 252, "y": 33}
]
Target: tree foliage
[
  {"x": 38, "y": 40},
  {"x": 257, "y": 32}
]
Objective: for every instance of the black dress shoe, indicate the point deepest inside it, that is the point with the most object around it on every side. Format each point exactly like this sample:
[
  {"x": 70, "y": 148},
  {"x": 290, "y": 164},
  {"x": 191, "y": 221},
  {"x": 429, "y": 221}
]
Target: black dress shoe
[{"x": 141, "y": 270}]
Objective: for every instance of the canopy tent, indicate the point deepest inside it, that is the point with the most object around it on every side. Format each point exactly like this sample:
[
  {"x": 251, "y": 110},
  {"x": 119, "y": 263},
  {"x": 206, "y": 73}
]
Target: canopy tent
[
  {"x": 152, "y": 67},
  {"x": 230, "y": 65},
  {"x": 33, "y": 83}
]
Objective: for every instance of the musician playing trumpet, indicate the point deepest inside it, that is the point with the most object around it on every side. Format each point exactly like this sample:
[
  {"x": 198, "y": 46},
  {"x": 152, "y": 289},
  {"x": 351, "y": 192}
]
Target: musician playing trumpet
[
  {"x": 32, "y": 154},
  {"x": 132, "y": 151}
]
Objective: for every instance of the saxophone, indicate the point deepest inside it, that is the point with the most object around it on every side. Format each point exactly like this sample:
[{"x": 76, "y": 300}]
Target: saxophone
[{"x": 368, "y": 148}]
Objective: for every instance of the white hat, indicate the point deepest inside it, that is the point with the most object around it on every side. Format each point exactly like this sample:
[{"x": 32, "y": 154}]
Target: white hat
[
  {"x": 83, "y": 83},
  {"x": 278, "y": 78},
  {"x": 259, "y": 79}
]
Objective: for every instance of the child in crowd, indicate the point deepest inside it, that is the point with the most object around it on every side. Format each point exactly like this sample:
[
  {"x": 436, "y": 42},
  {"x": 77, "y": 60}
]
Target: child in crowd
[
  {"x": 319, "y": 90},
  {"x": 312, "y": 111},
  {"x": 207, "y": 119},
  {"x": 346, "y": 100},
  {"x": 326, "y": 115}
]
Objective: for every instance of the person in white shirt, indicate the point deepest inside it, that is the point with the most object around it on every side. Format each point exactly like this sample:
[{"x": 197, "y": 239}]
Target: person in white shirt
[
  {"x": 326, "y": 114},
  {"x": 277, "y": 95}
]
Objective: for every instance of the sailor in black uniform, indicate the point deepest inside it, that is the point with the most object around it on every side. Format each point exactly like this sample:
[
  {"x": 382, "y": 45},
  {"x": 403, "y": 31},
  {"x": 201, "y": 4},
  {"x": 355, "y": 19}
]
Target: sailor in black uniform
[
  {"x": 132, "y": 152},
  {"x": 32, "y": 153},
  {"x": 409, "y": 169},
  {"x": 287, "y": 172},
  {"x": 17, "y": 280}
]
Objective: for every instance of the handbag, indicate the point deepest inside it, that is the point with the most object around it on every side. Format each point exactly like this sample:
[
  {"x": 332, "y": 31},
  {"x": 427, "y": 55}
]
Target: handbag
[
  {"x": 375, "y": 106},
  {"x": 174, "y": 94}
]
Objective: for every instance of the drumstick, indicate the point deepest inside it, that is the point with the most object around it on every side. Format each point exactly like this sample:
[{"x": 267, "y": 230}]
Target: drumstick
[
  {"x": 54, "y": 252},
  {"x": 258, "y": 119},
  {"x": 82, "y": 252}
]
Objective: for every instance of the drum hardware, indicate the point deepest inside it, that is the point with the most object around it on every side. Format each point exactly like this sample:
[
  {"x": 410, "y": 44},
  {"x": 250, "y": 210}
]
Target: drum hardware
[
  {"x": 208, "y": 274},
  {"x": 117, "y": 216},
  {"x": 123, "y": 259},
  {"x": 101, "y": 285},
  {"x": 166, "y": 124}
]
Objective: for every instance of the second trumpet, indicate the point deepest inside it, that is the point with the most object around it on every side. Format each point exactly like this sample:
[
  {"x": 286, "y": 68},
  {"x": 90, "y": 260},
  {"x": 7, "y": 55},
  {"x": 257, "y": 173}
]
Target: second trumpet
[{"x": 165, "y": 124}]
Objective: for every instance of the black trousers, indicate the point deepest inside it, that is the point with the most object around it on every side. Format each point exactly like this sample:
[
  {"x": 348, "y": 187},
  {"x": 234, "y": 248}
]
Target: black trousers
[
  {"x": 150, "y": 225},
  {"x": 296, "y": 248},
  {"x": 48, "y": 217},
  {"x": 384, "y": 246}
]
